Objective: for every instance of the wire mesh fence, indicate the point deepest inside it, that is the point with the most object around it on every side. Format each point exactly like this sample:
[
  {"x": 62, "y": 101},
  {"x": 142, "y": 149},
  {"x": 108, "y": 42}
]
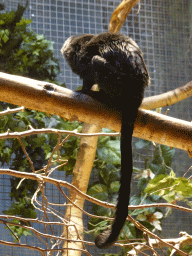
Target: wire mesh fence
[{"x": 162, "y": 29}]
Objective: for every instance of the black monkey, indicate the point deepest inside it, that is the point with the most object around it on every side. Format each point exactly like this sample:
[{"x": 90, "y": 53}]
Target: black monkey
[{"x": 115, "y": 63}]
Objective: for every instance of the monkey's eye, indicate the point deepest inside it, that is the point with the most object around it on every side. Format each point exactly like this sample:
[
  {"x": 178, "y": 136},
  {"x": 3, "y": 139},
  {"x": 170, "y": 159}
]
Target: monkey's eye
[
  {"x": 74, "y": 58},
  {"x": 78, "y": 48}
]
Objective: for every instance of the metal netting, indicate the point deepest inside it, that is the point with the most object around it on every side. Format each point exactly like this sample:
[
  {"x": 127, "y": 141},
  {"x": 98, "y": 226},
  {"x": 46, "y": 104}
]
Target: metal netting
[{"x": 162, "y": 29}]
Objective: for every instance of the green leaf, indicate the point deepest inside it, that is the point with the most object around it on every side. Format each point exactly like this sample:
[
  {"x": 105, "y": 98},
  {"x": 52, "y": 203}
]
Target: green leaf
[
  {"x": 142, "y": 183},
  {"x": 157, "y": 168},
  {"x": 128, "y": 230},
  {"x": 98, "y": 191},
  {"x": 135, "y": 200},
  {"x": 168, "y": 154},
  {"x": 191, "y": 8},
  {"x": 170, "y": 197},
  {"x": 7, "y": 153},
  {"x": 39, "y": 140},
  {"x": 26, "y": 232},
  {"x": 160, "y": 182},
  {"x": 141, "y": 144},
  {"x": 115, "y": 186},
  {"x": 47, "y": 150},
  {"x": 5, "y": 36},
  {"x": 110, "y": 153},
  {"x": 40, "y": 37},
  {"x": 164, "y": 185},
  {"x": 24, "y": 22},
  {"x": 184, "y": 187},
  {"x": 109, "y": 174}
]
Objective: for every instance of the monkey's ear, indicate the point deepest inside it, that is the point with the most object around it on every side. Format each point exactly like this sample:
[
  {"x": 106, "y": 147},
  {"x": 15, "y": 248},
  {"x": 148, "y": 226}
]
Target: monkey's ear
[{"x": 98, "y": 61}]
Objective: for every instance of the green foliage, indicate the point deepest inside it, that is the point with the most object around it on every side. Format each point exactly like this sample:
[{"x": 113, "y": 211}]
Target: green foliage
[
  {"x": 20, "y": 208},
  {"x": 99, "y": 191},
  {"x": 23, "y": 52},
  {"x": 106, "y": 188},
  {"x": 168, "y": 186},
  {"x": 20, "y": 231},
  {"x": 109, "y": 151},
  {"x": 38, "y": 147}
]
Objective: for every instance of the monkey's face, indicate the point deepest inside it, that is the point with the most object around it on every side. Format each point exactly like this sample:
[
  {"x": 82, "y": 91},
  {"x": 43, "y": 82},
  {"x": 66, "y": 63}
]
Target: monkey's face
[
  {"x": 72, "y": 49},
  {"x": 69, "y": 50}
]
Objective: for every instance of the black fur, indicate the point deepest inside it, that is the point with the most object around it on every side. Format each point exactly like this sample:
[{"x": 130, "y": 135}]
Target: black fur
[{"x": 115, "y": 63}]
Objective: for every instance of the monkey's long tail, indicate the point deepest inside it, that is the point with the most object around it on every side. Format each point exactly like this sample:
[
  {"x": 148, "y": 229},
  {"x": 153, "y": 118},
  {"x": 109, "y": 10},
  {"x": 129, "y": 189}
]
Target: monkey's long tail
[{"x": 109, "y": 237}]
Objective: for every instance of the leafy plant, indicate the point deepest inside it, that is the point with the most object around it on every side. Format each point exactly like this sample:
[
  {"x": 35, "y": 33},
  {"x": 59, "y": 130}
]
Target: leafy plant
[
  {"x": 23, "y": 52},
  {"x": 106, "y": 188}
]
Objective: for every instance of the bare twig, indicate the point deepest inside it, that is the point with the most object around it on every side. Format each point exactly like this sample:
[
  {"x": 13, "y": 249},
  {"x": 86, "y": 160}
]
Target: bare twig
[
  {"x": 11, "y": 111},
  {"x": 41, "y": 250},
  {"x": 83, "y": 195},
  {"x": 184, "y": 239},
  {"x": 148, "y": 242},
  {"x": 161, "y": 241},
  {"x": 26, "y": 154},
  {"x": 16, "y": 135},
  {"x": 7, "y": 225}
]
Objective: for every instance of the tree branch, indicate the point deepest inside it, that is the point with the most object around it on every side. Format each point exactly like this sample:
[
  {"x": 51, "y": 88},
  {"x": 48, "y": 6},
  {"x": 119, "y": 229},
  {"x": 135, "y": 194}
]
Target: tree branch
[
  {"x": 184, "y": 239},
  {"x": 61, "y": 183},
  {"x": 54, "y": 99},
  {"x": 120, "y": 14},
  {"x": 168, "y": 98}
]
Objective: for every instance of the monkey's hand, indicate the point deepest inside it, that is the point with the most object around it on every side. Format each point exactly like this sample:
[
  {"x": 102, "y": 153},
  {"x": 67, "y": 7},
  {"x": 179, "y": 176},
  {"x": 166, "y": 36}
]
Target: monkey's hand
[{"x": 96, "y": 95}]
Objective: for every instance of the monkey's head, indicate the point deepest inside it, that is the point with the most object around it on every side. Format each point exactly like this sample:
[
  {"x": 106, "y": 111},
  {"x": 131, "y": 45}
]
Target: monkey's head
[{"x": 72, "y": 49}]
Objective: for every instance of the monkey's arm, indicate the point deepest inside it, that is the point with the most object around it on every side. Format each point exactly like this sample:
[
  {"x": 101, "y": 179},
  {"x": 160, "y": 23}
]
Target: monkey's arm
[
  {"x": 98, "y": 66},
  {"x": 100, "y": 96},
  {"x": 101, "y": 63}
]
